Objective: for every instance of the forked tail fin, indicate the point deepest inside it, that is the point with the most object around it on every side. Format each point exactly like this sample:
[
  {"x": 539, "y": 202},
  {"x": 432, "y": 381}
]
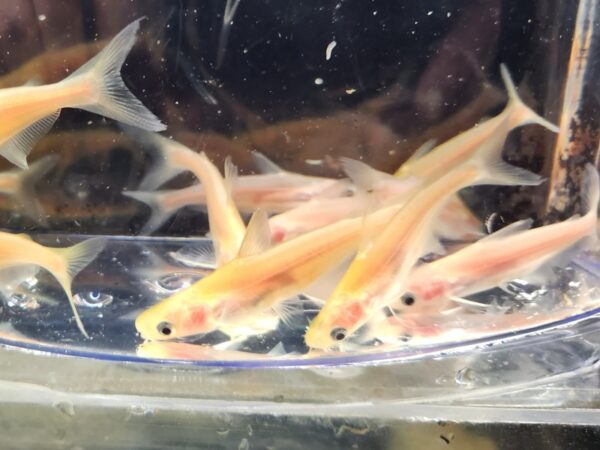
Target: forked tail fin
[
  {"x": 76, "y": 259},
  {"x": 114, "y": 99},
  {"x": 520, "y": 113}
]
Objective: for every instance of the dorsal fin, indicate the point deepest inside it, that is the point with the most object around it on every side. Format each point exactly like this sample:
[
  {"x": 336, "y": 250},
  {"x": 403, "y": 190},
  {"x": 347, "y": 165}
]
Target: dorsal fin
[
  {"x": 258, "y": 235},
  {"x": 231, "y": 173},
  {"x": 264, "y": 164},
  {"x": 509, "y": 230},
  {"x": 363, "y": 175}
]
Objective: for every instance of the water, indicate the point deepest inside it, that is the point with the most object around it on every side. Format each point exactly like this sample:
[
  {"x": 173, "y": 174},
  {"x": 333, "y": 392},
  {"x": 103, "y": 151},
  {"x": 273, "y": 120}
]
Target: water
[{"x": 305, "y": 84}]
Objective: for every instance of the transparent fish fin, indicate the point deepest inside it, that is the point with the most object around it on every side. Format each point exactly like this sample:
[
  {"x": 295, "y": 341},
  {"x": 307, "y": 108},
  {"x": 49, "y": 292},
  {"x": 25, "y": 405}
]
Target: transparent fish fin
[
  {"x": 468, "y": 303},
  {"x": 231, "y": 174},
  {"x": 258, "y": 235},
  {"x": 264, "y": 164},
  {"x": 160, "y": 213},
  {"x": 198, "y": 257},
  {"x": 521, "y": 114},
  {"x": 509, "y": 230},
  {"x": 77, "y": 258},
  {"x": 363, "y": 175},
  {"x": 20, "y": 145},
  {"x": 115, "y": 100},
  {"x": 278, "y": 350},
  {"x": 25, "y": 195},
  {"x": 289, "y": 311}
]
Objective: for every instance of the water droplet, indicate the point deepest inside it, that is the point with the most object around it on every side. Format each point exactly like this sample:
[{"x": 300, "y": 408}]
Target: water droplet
[
  {"x": 22, "y": 301},
  {"x": 465, "y": 376},
  {"x": 93, "y": 299},
  {"x": 176, "y": 281},
  {"x": 66, "y": 408}
]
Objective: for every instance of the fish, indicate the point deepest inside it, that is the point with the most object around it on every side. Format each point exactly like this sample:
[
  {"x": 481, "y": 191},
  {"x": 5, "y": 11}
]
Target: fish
[
  {"x": 20, "y": 185},
  {"x": 258, "y": 281},
  {"x": 62, "y": 263},
  {"x": 380, "y": 270},
  {"x": 29, "y": 112},
  {"x": 195, "y": 352},
  {"x": 435, "y": 163},
  {"x": 227, "y": 228},
  {"x": 513, "y": 252},
  {"x": 273, "y": 190}
]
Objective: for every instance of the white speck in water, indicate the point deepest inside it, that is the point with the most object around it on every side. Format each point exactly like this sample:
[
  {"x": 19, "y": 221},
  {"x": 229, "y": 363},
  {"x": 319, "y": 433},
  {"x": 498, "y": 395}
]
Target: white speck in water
[
  {"x": 42, "y": 17},
  {"x": 429, "y": 13},
  {"x": 448, "y": 14},
  {"x": 374, "y": 13},
  {"x": 350, "y": 91},
  {"x": 314, "y": 162},
  {"x": 329, "y": 49},
  {"x": 319, "y": 81}
]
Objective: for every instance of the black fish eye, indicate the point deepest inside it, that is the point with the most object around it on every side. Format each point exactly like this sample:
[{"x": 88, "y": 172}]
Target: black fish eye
[
  {"x": 165, "y": 328},
  {"x": 338, "y": 334},
  {"x": 408, "y": 299}
]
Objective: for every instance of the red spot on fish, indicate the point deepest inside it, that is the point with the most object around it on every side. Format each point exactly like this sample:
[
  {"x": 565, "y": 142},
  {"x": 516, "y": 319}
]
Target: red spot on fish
[
  {"x": 277, "y": 236},
  {"x": 198, "y": 317}
]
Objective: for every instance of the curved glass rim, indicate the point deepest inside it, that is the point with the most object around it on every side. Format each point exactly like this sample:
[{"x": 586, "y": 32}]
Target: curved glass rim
[{"x": 366, "y": 358}]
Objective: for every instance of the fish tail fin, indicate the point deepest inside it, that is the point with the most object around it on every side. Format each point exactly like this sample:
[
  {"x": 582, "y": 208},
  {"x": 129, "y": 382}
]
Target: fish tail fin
[
  {"x": 163, "y": 168},
  {"x": 494, "y": 170},
  {"x": 76, "y": 259},
  {"x": 521, "y": 113},
  {"x": 156, "y": 202},
  {"x": 113, "y": 98},
  {"x": 25, "y": 196}
]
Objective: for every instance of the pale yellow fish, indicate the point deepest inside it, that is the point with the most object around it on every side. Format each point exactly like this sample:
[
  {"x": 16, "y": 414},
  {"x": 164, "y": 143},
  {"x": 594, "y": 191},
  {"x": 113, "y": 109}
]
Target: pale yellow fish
[
  {"x": 63, "y": 263},
  {"x": 258, "y": 281},
  {"x": 511, "y": 253},
  {"x": 436, "y": 162},
  {"x": 28, "y": 112},
  {"x": 378, "y": 273},
  {"x": 226, "y": 225}
]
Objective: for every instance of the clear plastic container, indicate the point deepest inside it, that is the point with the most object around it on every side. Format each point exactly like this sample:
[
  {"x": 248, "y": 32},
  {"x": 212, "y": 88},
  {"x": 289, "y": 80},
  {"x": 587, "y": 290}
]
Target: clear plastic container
[{"x": 305, "y": 84}]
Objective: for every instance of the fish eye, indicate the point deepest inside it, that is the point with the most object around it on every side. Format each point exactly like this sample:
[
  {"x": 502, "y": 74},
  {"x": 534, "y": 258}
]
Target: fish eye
[
  {"x": 405, "y": 337},
  {"x": 408, "y": 299},
  {"x": 338, "y": 334},
  {"x": 165, "y": 328}
]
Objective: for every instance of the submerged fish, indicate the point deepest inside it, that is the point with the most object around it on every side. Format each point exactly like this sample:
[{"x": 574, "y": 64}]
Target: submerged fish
[
  {"x": 379, "y": 272},
  {"x": 513, "y": 252},
  {"x": 28, "y": 112},
  {"x": 274, "y": 190},
  {"x": 435, "y": 163},
  {"x": 226, "y": 226},
  {"x": 258, "y": 281},
  {"x": 62, "y": 263}
]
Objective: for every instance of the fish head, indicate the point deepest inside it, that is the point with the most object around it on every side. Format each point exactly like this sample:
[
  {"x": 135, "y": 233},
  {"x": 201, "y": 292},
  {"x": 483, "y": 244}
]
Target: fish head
[
  {"x": 172, "y": 320},
  {"x": 336, "y": 322}
]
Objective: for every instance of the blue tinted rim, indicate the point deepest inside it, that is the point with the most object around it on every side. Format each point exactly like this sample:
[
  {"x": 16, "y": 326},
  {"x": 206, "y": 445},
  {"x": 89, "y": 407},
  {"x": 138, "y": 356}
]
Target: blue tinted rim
[{"x": 371, "y": 358}]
